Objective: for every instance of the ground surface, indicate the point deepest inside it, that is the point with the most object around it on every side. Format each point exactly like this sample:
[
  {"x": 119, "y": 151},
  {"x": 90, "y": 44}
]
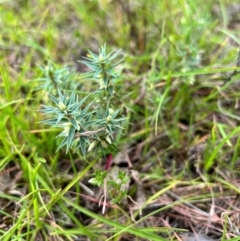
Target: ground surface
[{"x": 180, "y": 144}]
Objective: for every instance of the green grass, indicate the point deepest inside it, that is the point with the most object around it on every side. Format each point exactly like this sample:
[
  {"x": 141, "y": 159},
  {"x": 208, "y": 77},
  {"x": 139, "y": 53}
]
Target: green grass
[{"x": 183, "y": 111}]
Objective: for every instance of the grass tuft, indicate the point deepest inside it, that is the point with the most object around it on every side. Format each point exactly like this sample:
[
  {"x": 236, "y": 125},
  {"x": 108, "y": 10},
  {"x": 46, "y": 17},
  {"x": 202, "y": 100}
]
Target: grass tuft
[{"x": 181, "y": 142}]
